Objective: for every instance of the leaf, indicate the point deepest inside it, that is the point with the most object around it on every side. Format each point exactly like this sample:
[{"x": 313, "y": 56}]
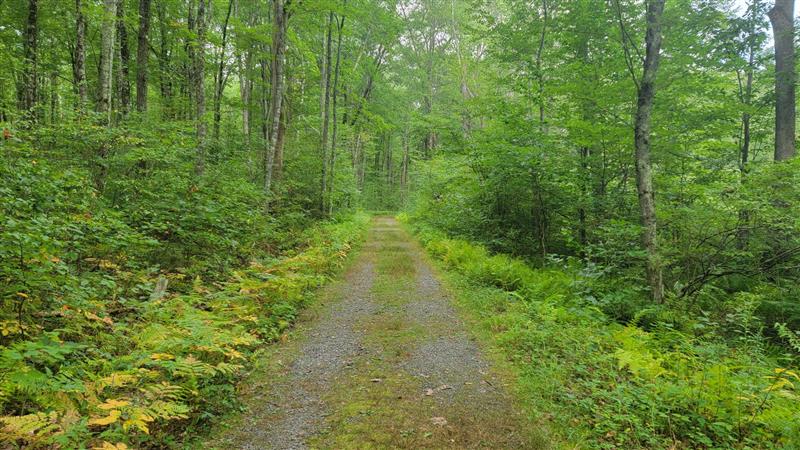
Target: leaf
[
  {"x": 162, "y": 356},
  {"x": 109, "y": 446},
  {"x": 112, "y": 417},
  {"x": 113, "y": 404}
]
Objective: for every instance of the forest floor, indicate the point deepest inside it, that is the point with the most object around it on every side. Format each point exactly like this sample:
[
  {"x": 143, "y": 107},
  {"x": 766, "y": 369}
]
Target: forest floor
[{"x": 383, "y": 360}]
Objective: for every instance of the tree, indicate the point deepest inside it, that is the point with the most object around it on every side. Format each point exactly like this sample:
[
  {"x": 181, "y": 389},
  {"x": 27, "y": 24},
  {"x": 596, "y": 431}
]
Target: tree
[
  {"x": 220, "y": 77},
  {"x": 325, "y": 103},
  {"x": 123, "y": 68},
  {"x": 30, "y": 72},
  {"x": 782, "y": 18},
  {"x": 142, "y": 55},
  {"x": 199, "y": 63},
  {"x": 280, "y": 17},
  {"x": 642, "y": 132},
  {"x": 79, "y": 66},
  {"x": 106, "y": 58}
]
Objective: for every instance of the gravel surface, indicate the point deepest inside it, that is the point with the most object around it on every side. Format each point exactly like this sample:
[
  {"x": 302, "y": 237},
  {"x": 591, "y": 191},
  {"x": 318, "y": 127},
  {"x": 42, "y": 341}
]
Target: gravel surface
[
  {"x": 296, "y": 410},
  {"x": 443, "y": 364}
]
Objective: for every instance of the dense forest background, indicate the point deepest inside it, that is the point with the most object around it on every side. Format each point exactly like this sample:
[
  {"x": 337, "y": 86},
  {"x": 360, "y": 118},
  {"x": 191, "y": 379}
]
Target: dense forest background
[{"x": 177, "y": 176}]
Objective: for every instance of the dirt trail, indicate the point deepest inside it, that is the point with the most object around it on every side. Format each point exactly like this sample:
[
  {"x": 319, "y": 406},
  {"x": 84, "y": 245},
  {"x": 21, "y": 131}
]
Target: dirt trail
[{"x": 384, "y": 362}]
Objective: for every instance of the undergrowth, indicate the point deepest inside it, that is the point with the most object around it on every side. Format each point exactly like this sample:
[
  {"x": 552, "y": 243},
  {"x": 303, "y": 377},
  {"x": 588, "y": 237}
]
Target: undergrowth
[
  {"x": 99, "y": 348},
  {"x": 610, "y": 385}
]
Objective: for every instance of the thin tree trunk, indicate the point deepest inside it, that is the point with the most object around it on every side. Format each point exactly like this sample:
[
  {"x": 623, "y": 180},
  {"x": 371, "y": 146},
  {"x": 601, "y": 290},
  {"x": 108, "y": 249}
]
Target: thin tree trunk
[
  {"x": 539, "y": 70},
  {"x": 746, "y": 98},
  {"x": 30, "y": 73},
  {"x": 644, "y": 175},
  {"x": 80, "y": 56},
  {"x": 220, "y": 78},
  {"x": 246, "y": 91},
  {"x": 54, "y": 103},
  {"x": 164, "y": 58},
  {"x": 326, "y": 98},
  {"x": 334, "y": 136},
  {"x": 199, "y": 87},
  {"x": 280, "y": 17},
  {"x": 142, "y": 53},
  {"x": 280, "y": 139},
  {"x": 782, "y": 18},
  {"x": 107, "y": 57},
  {"x": 123, "y": 80}
]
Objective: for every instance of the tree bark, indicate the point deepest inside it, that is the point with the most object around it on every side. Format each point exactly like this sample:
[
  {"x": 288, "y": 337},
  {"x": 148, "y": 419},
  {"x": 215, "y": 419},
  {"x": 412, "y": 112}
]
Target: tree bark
[
  {"x": 106, "y": 57},
  {"x": 80, "y": 56},
  {"x": 30, "y": 72},
  {"x": 644, "y": 175},
  {"x": 539, "y": 70},
  {"x": 164, "y": 58},
  {"x": 782, "y": 18},
  {"x": 220, "y": 77},
  {"x": 142, "y": 53},
  {"x": 334, "y": 135},
  {"x": 123, "y": 80},
  {"x": 325, "y": 102},
  {"x": 280, "y": 18},
  {"x": 199, "y": 86}
]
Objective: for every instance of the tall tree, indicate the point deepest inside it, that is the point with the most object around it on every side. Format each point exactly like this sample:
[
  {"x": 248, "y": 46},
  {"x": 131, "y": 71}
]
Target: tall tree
[
  {"x": 220, "y": 77},
  {"x": 79, "y": 65},
  {"x": 782, "y": 18},
  {"x": 142, "y": 54},
  {"x": 106, "y": 57},
  {"x": 280, "y": 19},
  {"x": 30, "y": 72},
  {"x": 123, "y": 68},
  {"x": 199, "y": 63},
  {"x": 334, "y": 106},
  {"x": 325, "y": 110},
  {"x": 642, "y": 128}
]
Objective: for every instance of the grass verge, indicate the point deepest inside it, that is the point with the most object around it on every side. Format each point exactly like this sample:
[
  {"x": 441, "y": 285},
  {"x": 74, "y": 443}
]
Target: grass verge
[{"x": 604, "y": 385}]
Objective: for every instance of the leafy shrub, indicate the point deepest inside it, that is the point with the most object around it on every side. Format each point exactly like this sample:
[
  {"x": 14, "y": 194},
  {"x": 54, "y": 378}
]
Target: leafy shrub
[
  {"x": 626, "y": 387},
  {"x": 98, "y": 347}
]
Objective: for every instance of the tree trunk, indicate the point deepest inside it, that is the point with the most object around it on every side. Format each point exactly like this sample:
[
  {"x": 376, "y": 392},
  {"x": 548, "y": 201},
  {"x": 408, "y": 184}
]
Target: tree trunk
[
  {"x": 106, "y": 57},
  {"x": 325, "y": 102},
  {"x": 142, "y": 53},
  {"x": 80, "y": 56},
  {"x": 246, "y": 91},
  {"x": 339, "y": 28},
  {"x": 123, "y": 80},
  {"x": 199, "y": 86},
  {"x": 644, "y": 175},
  {"x": 746, "y": 98},
  {"x": 280, "y": 18},
  {"x": 30, "y": 73},
  {"x": 279, "y": 141},
  {"x": 220, "y": 78},
  {"x": 54, "y": 103},
  {"x": 164, "y": 61},
  {"x": 539, "y": 70},
  {"x": 782, "y": 18}
]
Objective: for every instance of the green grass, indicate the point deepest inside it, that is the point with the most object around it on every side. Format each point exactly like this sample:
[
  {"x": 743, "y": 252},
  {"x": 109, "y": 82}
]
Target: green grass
[{"x": 599, "y": 384}]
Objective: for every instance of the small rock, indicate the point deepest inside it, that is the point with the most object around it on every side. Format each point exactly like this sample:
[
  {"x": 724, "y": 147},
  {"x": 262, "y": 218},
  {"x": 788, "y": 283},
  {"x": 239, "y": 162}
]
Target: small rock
[{"x": 439, "y": 421}]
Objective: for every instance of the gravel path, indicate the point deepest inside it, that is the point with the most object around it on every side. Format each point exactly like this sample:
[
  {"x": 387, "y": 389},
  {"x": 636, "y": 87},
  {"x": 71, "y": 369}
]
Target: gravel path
[{"x": 385, "y": 363}]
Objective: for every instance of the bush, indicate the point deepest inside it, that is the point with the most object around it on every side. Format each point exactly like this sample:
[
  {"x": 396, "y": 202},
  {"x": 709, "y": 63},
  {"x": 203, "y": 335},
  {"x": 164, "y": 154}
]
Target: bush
[
  {"x": 94, "y": 348},
  {"x": 624, "y": 386}
]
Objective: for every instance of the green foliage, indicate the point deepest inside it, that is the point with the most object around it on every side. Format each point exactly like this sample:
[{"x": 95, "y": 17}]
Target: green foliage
[
  {"x": 109, "y": 333},
  {"x": 614, "y": 386}
]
